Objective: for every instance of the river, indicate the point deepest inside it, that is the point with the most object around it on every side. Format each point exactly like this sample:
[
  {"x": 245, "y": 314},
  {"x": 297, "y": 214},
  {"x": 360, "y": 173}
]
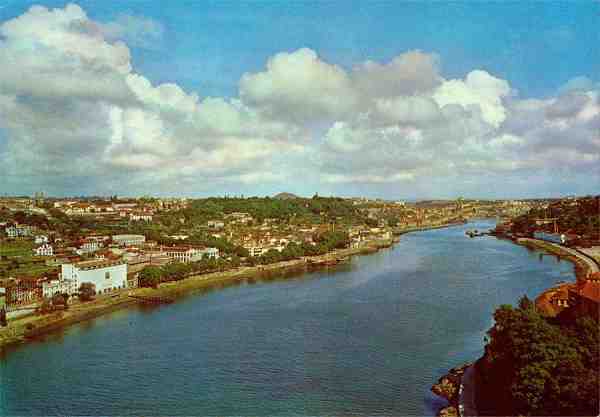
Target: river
[{"x": 369, "y": 338}]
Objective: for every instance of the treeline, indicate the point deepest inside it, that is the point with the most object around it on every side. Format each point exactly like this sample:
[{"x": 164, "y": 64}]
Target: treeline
[
  {"x": 581, "y": 216},
  {"x": 151, "y": 276},
  {"x": 270, "y": 208},
  {"x": 200, "y": 239},
  {"x": 539, "y": 366}
]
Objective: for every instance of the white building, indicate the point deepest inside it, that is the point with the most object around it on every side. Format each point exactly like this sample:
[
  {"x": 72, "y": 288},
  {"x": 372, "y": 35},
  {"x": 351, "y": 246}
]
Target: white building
[
  {"x": 89, "y": 246},
  {"x": 215, "y": 224},
  {"x": 105, "y": 275},
  {"x": 258, "y": 250},
  {"x": 179, "y": 237},
  {"x": 44, "y": 250},
  {"x": 129, "y": 240},
  {"x": 187, "y": 254},
  {"x": 40, "y": 239},
  {"x": 18, "y": 231},
  {"x": 61, "y": 286},
  {"x": 141, "y": 216}
]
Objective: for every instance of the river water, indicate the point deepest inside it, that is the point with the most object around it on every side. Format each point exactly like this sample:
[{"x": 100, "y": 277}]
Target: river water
[{"x": 369, "y": 338}]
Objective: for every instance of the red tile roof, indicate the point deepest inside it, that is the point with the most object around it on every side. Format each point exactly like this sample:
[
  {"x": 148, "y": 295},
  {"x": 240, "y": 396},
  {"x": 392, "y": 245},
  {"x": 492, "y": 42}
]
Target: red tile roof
[
  {"x": 590, "y": 290},
  {"x": 594, "y": 276}
]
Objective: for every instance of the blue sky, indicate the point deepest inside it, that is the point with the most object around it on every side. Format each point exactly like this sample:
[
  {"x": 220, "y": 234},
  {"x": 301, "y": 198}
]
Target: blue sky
[{"x": 207, "y": 47}]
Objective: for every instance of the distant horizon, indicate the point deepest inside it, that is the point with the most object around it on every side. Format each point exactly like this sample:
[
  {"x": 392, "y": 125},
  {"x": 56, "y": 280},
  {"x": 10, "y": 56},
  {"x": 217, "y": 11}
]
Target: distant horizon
[
  {"x": 246, "y": 196},
  {"x": 381, "y": 99}
]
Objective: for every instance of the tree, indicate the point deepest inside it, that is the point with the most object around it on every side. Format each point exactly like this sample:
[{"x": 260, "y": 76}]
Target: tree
[
  {"x": 150, "y": 276},
  {"x": 59, "y": 299},
  {"x": 393, "y": 221},
  {"x": 525, "y": 303},
  {"x": 538, "y": 366},
  {"x": 87, "y": 291},
  {"x": 371, "y": 222}
]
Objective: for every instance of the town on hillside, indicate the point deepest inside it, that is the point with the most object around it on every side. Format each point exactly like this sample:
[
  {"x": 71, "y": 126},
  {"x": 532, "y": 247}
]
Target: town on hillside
[
  {"x": 58, "y": 251},
  {"x": 569, "y": 227}
]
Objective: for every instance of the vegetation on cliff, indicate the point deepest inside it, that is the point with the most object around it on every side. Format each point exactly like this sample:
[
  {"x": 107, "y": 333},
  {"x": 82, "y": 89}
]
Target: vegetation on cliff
[
  {"x": 580, "y": 216},
  {"x": 539, "y": 366}
]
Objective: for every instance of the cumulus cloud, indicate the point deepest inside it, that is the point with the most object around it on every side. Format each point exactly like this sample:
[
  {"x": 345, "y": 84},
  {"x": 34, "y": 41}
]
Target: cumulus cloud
[
  {"x": 300, "y": 87},
  {"x": 73, "y": 110},
  {"x": 480, "y": 90},
  {"x": 72, "y": 106},
  {"x": 409, "y": 73}
]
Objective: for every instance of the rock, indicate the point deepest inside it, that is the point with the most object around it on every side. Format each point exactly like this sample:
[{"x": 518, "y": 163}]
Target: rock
[
  {"x": 447, "y": 387},
  {"x": 450, "y": 411}
]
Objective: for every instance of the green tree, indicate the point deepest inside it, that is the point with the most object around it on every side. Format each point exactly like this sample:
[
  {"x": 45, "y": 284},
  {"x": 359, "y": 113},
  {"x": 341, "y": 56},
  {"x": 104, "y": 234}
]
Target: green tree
[
  {"x": 150, "y": 276},
  {"x": 87, "y": 291},
  {"x": 525, "y": 303},
  {"x": 60, "y": 300}
]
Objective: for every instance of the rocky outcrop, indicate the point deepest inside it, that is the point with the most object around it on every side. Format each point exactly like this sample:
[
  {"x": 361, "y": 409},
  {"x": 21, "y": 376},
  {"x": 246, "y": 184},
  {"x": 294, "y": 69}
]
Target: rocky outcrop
[{"x": 448, "y": 387}]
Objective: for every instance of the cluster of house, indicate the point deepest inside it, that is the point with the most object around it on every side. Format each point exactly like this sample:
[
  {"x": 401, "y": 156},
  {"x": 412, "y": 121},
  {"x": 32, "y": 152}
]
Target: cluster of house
[
  {"x": 133, "y": 210},
  {"x": 583, "y": 297},
  {"x": 108, "y": 262},
  {"x": 105, "y": 275}
]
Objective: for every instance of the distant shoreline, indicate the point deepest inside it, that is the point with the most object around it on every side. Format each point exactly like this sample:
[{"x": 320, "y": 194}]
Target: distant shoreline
[{"x": 18, "y": 332}]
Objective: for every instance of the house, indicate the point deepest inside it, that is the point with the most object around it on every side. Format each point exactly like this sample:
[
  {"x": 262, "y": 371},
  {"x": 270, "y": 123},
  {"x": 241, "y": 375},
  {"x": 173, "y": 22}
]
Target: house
[
  {"x": 129, "y": 240},
  {"x": 106, "y": 275},
  {"x": 560, "y": 298},
  {"x": 40, "y": 239},
  {"x": 23, "y": 292},
  {"x": 585, "y": 299},
  {"x": 255, "y": 250},
  {"x": 89, "y": 246},
  {"x": 179, "y": 237},
  {"x": 187, "y": 254},
  {"x": 258, "y": 249},
  {"x": 140, "y": 216},
  {"x": 60, "y": 286},
  {"x": 18, "y": 230},
  {"x": 44, "y": 250},
  {"x": 215, "y": 224},
  {"x": 133, "y": 280}
]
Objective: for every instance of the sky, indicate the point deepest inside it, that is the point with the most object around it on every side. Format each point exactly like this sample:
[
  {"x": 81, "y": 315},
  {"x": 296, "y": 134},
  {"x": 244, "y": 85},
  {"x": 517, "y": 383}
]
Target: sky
[{"x": 398, "y": 100}]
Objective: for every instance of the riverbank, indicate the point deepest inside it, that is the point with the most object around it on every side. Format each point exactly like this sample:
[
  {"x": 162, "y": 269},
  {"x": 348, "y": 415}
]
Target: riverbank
[
  {"x": 584, "y": 265},
  {"x": 448, "y": 385},
  {"x": 34, "y": 326}
]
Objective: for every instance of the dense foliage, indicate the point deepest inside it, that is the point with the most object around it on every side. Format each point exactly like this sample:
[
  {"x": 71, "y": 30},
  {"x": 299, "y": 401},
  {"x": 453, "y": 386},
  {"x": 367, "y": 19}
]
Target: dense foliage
[
  {"x": 581, "y": 216},
  {"x": 270, "y": 208},
  {"x": 536, "y": 366},
  {"x": 87, "y": 291},
  {"x": 152, "y": 276}
]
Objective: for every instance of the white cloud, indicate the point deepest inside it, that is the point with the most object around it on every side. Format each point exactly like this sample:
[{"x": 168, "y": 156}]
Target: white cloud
[
  {"x": 407, "y": 74},
  {"x": 73, "y": 107},
  {"x": 478, "y": 89},
  {"x": 74, "y": 111},
  {"x": 300, "y": 87}
]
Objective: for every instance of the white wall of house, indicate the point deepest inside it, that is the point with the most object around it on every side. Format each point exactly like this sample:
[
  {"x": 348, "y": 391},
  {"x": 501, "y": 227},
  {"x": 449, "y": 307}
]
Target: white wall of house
[
  {"x": 49, "y": 288},
  {"x": 105, "y": 279},
  {"x": 44, "y": 250}
]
